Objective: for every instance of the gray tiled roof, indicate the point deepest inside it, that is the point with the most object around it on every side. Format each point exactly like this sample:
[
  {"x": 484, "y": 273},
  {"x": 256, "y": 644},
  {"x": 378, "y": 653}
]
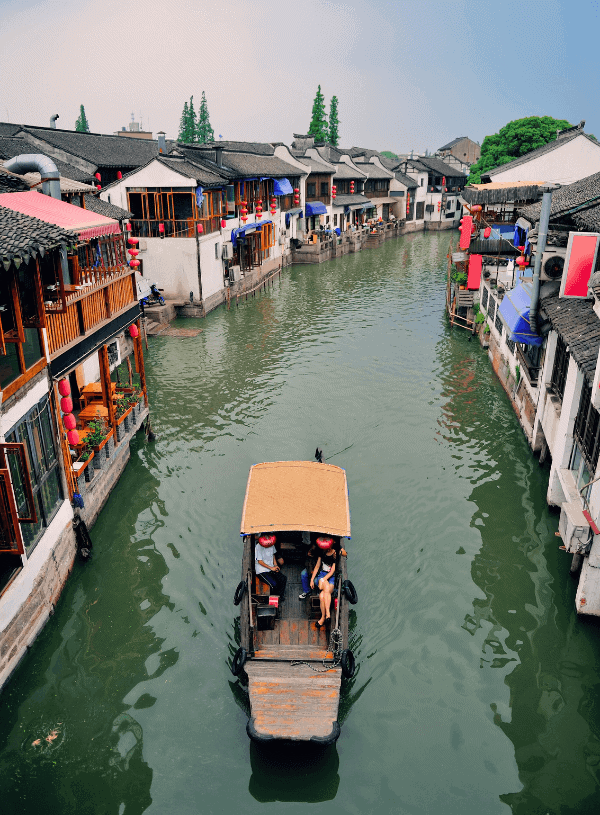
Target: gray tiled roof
[
  {"x": 22, "y": 235},
  {"x": 258, "y": 148},
  {"x": 9, "y": 148},
  {"x": 373, "y": 171},
  {"x": 451, "y": 144},
  {"x": 12, "y": 183},
  {"x": 347, "y": 200},
  {"x": 406, "y": 180},
  {"x": 540, "y": 151},
  {"x": 577, "y": 324},
  {"x": 588, "y": 220},
  {"x": 241, "y": 165},
  {"x": 343, "y": 170},
  {"x": 8, "y": 129},
  {"x": 316, "y": 166},
  {"x": 197, "y": 169},
  {"x": 100, "y": 207},
  {"x": 566, "y": 198},
  {"x": 98, "y": 149},
  {"x": 415, "y": 164},
  {"x": 440, "y": 167}
]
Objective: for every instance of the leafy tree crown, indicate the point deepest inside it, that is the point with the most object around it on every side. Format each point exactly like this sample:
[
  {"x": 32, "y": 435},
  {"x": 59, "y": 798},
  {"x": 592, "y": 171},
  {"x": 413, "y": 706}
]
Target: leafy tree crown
[
  {"x": 204, "y": 132},
  {"x": 318, "y": 123},
  {"x": 514, "y": 140},
  {"x": 82, "y": 125},
  {"x": 334, "y": 122}
]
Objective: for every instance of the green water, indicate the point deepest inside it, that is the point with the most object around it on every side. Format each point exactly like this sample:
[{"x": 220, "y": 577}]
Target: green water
[{"x": 477, "y": 690}]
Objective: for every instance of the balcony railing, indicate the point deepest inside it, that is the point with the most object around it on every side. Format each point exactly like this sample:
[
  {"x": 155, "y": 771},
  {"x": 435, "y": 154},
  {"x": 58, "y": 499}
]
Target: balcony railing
[
  {"x": 89, "y": 305},
  {"x": 324, "y": 199},
  {"x": 174, "y": 229}
]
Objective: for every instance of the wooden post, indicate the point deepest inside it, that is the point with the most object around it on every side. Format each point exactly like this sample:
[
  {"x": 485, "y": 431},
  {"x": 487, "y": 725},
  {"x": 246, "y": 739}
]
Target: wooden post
[
  {"x": 139, "y": 364},
  {"x": 130, "y": 372},
  {"x": 107, "y": 390}
]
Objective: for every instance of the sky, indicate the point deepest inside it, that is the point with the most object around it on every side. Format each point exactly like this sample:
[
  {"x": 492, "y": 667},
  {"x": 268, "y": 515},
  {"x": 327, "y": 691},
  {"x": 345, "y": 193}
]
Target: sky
[{"x": 409, "y": 75}]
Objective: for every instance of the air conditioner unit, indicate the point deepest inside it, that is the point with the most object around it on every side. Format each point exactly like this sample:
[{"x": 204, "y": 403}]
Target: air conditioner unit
[
  {"x": 553, "y": 262},
  {"x": 574, "y": 528},
  {"x": 235, "y": 274},
  {"x": 282, "y": 240},
  {"x": 227, "y": 251},
  {"x": 142, "y": 245}
]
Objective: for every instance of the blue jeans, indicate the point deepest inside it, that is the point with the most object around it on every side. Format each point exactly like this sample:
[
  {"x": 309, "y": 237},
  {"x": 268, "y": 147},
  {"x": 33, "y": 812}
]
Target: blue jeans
[{"x": 306, "y": 579}]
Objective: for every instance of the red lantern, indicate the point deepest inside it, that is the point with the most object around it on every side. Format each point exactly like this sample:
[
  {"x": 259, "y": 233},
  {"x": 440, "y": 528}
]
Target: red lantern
[
  {"x": 439, "y": 205},
  {"x": 64, "y": 387},
  {"x": 521, "y": 261},
  {"x": 66, "y": 404},
  {"x": 487, "y": 232},
  {"x": 133, "y": 252},
  {"x": 119, "y": 175},
  {"x": 98, "y": 176},
  {"x": 73, "y": 438},
  {"x": 407, "y": 203},
  {"x": 200, "y": 229},
  {"x": 134, "y": 263},
  {"x": 259, "y": 208},
  {"x": 133, "y": 241},
  {"x": 161, "y": 228},
  {"x": 476, "y": 208},
  {"x": 69, "y": 421},
  {"x": 134, "y": 331},
  {"x": 98, "y": 187},
  {"x": 128, "y": 227},
  {"x": 223, "y": 224}
]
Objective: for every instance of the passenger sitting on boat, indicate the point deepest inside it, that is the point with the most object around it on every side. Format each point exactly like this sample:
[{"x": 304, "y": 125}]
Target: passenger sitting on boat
[
  {"x": 267, "y": 566},
  {"x": 324, "y": 573},
  {"x": 311, "y": 555}
]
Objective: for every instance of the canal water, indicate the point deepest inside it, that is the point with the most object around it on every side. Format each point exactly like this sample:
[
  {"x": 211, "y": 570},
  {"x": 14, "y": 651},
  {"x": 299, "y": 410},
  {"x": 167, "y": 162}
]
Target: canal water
[{"x": 477, "y": 689}]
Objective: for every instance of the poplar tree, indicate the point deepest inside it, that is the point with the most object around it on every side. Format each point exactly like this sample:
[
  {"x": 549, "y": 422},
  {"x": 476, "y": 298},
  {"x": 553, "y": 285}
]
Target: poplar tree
[
  {"x": 204, "y": 132},
  {"x": 318, "y": 123},
  {"x": 183, "y": 124},
  {"x": 82, "y": 125},
  {"x": 334, "y": 122},
  {"x": 191, "y": 128}
]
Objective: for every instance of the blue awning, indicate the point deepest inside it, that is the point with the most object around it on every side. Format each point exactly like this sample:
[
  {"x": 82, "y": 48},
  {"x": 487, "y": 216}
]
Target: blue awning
[
  {"x": 289, "y": 214},
  {"x": 239, "y": 233},
  {"x": 281, "y": 186},
  {"x": 315, "y": 208},
  {"x": 514, "y": 310}
]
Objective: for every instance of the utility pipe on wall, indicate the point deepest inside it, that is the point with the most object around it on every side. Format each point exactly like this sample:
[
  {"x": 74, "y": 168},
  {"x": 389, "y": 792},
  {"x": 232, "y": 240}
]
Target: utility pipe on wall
[
  {"x": 37, "y": 163},
  {"x": 541, "y": 245}
]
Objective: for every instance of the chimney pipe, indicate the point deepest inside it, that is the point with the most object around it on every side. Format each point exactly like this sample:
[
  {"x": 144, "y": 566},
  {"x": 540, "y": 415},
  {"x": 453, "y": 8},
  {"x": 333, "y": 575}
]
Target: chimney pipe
[
  {"x": 539, "y": 249},
  {"x": 53, "y": 121},
  {"x": 37, "y": 163},
  {"x": 162, "y": 142}
]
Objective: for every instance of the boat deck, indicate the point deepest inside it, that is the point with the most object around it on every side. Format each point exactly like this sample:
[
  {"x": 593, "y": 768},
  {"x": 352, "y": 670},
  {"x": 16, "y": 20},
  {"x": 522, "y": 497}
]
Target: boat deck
[{"x": 291, "y": 701}]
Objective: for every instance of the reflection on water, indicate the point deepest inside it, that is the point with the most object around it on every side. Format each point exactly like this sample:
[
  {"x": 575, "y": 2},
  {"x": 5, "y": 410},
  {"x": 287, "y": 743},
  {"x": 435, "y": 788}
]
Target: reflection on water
[
  {"x": 477, "y": 685},
  {"x": 294, "y": 773}
]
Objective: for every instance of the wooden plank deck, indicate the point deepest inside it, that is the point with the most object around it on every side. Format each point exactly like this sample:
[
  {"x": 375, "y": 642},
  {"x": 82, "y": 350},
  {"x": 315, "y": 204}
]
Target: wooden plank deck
[{"x": 292, "y": 701}]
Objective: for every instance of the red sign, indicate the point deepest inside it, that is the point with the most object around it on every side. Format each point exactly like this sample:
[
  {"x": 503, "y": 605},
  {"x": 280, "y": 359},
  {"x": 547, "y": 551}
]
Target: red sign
[
  {"x": 580, "y": 261},
  {"x": 465, "y": 228}
]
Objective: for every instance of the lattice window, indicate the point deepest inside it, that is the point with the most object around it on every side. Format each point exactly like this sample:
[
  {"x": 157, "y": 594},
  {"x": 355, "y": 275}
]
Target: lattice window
[
  {"x": 560, "y": 368},
  {"x": 498, "y": 322},
  {"x": 492, "y": 308},
  {"x": 484, "y": 298},
  {"x": 511, "y": 345},
  {"x": 587, "y": 428}
]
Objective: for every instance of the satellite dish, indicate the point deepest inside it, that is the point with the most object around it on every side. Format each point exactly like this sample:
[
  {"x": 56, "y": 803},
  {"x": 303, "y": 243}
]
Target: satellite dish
[{"x": 553, "y": 267}]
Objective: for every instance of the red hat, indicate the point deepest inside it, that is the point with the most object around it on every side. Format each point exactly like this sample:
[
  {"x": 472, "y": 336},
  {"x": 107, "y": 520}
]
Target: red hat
[
  {"x": 325, "y": 543},
  {"x": 267, "y": 540}
]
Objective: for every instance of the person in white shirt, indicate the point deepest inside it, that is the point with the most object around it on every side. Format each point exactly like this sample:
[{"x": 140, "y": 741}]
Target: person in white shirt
[{"x": 266, "y": 564}]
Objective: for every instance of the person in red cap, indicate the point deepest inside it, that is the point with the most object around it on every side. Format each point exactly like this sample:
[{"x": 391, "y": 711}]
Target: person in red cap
[{"x": 266, "y": 565}]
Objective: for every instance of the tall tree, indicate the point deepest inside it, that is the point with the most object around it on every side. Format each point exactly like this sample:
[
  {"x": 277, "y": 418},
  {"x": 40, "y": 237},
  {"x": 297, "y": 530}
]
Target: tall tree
[
  {"x": 334, "y": 122},
  {"x": 183, "y": 124},
  {"x": 318, "y": 124},
  {"x": 514, "y": 140},
  {"x": 82, "y": 125},
  {"x": 204, "y": 132},
  {"x": 191, "y": 127}
]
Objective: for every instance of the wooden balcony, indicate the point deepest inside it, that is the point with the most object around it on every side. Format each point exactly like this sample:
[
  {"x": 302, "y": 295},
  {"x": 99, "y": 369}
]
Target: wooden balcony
[
  {"x": 174, "y": 229},
  {"x": 106, "y": 293}
]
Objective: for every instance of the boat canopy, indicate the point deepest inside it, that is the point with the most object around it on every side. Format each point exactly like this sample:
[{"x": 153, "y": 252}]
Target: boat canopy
[{"x": 296, "y": 496}]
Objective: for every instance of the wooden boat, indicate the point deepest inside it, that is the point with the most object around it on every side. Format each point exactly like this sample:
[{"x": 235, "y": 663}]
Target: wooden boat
[{"x": 294, "y": 670}]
